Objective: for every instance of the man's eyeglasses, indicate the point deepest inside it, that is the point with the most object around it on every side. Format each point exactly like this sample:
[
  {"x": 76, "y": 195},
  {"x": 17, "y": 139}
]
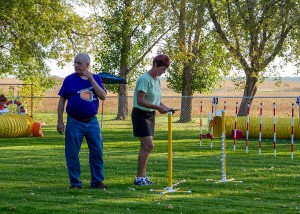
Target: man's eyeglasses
[{"x": 78, "y": 63}]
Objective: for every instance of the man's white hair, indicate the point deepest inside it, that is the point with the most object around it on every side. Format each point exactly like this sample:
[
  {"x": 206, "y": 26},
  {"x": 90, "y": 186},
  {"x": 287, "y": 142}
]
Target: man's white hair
[{"x": 84, "y": 57}]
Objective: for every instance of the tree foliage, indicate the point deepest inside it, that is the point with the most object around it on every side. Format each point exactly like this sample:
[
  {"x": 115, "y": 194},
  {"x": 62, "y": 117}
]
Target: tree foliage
[
  {"x": 33, "y": 31},
  {"x": 255, "y": 33},
  {"x": 130, "y": 29},
  {"x": 197, "y": 60},
  {"x": 209, "y": 68}
]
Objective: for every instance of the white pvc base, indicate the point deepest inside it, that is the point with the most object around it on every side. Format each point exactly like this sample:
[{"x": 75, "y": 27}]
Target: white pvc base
[
  {"x": 171, "y": 190},
  {"x": 224, "y": 180}
]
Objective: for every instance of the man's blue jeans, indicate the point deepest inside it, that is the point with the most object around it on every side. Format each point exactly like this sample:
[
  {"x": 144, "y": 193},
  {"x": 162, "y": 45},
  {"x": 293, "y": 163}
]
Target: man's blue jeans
[{"x": 75, "y": 131}]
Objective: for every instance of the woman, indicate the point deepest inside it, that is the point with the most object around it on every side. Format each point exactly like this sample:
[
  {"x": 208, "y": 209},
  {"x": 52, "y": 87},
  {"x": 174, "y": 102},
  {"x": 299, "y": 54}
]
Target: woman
[{"x": 147, "y": 99}]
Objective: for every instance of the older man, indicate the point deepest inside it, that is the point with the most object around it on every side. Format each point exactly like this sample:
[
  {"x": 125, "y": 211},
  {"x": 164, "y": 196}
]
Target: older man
[{"x": 83, "y": 90}]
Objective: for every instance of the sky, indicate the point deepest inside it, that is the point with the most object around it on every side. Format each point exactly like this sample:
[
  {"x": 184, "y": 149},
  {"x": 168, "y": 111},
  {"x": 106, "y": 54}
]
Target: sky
[
  {"x": 69, "y": 68},
  {"x": 60, "y": 72}
]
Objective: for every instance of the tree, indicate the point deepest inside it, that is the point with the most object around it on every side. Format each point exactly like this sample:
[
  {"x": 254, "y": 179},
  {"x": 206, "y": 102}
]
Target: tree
[
  {"x": 255, "y": 33},
  {"x": 131, "y": 28},
  {"x": 33, "y": 31},
  {"x": 196, "y": 58}
]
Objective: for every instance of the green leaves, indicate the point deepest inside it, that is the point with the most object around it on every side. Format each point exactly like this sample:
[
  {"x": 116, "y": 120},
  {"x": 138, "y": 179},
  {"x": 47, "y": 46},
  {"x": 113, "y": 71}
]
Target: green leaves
[
  {"x": 129, "y": 29},
  {"x": 255, "y": 32},
  {"x": 194, "y": 50},
  {"x": 33, "y": 31}
]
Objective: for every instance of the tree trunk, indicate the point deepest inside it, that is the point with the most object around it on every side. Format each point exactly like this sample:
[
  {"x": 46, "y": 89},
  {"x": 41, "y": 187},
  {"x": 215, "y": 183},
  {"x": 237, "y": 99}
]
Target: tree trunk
[
  {"x": 186, "y": 107},
  {"x": 123, "y": 95},
  {"x": 124, "y": 61},
  {"x": 249, "y": 93},
  {"x": 122, "y": 102},
  {"x": 186, "y": 100}
]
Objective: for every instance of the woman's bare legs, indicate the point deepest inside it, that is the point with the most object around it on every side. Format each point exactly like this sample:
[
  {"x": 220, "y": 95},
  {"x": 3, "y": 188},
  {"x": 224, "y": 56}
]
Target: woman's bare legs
[{"x": 145, "y": 150}]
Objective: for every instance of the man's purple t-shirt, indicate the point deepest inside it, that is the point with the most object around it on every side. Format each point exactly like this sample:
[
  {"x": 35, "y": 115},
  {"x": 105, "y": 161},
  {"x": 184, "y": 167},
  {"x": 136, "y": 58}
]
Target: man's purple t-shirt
[{"x": 82, "y": 103}]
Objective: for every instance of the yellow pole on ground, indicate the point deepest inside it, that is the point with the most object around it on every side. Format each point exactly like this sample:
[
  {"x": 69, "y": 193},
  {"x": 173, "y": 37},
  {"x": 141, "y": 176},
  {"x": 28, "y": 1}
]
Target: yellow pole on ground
[{"x": 170, "y": 189}]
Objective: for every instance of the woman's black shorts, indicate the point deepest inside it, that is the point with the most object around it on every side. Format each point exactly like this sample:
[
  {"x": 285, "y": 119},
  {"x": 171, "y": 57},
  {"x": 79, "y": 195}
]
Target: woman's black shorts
[{"x": 143, "y": 122}]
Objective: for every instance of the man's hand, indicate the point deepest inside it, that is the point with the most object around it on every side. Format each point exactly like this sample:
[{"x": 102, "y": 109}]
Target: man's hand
[
  {"x": 61, "y": 128},
  {"x": 89, "y": 75}
]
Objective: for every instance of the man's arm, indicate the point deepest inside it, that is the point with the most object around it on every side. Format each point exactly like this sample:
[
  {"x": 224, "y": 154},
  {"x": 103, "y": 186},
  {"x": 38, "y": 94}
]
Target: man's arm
[
  {"x": 98, "y": 90},
  {"x": 60, "y": 111}
]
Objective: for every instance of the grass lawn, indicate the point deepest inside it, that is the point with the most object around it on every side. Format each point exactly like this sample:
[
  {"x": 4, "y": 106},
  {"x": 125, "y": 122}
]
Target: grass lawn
[{"x": 33, "y": 174}]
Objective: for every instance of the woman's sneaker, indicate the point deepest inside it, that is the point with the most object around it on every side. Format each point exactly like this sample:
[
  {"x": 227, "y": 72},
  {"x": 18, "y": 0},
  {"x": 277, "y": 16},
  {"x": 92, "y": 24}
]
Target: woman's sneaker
[
  {"x": 148, "y": 180},
  {"x": 142, "y": 181}
]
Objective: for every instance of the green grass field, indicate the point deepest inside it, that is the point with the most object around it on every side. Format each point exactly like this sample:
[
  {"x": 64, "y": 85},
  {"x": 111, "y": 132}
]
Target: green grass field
[{"x": 33, "y": 174}]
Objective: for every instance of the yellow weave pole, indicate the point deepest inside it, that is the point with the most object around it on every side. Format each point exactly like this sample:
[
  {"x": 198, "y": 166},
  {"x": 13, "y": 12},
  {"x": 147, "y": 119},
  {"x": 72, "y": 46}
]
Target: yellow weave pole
[
  {"x": 224, "y": 179},
  {"x": 170, "y": 188}
]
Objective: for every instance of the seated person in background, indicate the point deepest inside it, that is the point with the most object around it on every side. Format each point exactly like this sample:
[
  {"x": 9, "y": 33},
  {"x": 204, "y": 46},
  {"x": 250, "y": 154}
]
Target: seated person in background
[{"x": 3, "y": 100}]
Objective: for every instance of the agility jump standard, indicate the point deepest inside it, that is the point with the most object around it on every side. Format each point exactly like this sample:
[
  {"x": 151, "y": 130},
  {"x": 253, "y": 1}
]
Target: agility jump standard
[
  {"x": 201, "y": 123},
  {"x": 260, "y": 129},
  {"x": 170, "y": 189},
  {"x": 247, "y": 127},
  {"x": 212, "y": 125},
  {"x": 235, "y": 123},
  {"x": 292, "y": 134},
  {"x": 274, "y": 127}
]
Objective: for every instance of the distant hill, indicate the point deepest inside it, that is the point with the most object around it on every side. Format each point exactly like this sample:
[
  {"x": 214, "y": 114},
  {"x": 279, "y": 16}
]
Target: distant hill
[{"x": 291, "y": 79}]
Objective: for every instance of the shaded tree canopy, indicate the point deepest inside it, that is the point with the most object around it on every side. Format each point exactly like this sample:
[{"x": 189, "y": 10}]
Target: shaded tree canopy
[
  {"x": 197, "y": 59},
  {"x": 33, "y": 31},
  {"x": 255, "y": 33},
  {"x": 129, "y": 31}
]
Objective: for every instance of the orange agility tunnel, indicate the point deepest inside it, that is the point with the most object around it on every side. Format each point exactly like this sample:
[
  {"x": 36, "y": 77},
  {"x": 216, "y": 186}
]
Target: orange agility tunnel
[{"x": 283, "y": 127}]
